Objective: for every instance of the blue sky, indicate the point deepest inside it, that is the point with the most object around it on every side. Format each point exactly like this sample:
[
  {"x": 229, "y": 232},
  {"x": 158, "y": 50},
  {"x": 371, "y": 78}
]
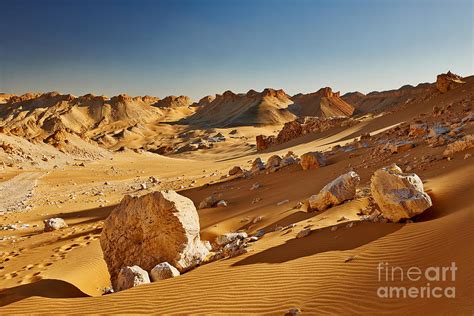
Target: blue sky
[{"x": 205, "y": 47}]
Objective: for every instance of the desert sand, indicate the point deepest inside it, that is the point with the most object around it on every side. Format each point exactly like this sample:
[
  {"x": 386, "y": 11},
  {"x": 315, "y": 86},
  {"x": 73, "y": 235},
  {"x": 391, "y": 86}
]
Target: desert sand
[{"x": 79, "y": 164}]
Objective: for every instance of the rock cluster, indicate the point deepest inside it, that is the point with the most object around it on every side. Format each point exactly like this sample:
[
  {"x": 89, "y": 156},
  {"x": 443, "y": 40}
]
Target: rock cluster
[{"x": 300, "y": 127}]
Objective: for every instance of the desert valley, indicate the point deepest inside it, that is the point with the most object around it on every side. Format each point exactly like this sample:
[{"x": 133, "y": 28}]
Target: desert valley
[{"x": 245, "y": 203}]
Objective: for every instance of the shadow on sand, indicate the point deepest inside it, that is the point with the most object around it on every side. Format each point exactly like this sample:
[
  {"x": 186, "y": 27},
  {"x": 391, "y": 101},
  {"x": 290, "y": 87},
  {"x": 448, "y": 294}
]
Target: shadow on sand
[
  {"x": 323, "y": 240},
  {"x": 48, "y": 288}
]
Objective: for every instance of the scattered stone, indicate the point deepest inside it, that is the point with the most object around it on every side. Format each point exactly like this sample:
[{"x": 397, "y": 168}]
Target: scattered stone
[
  {"x": 260, "y": 233},
  {"x": 153, "y": 179},
  {"x": 293, "y": 311},
  {"x": 230, "y": 237},
  {"x": 312, "y": 160},
  {"x": 163, "y": 271},
  {"x": 334, "y": 228},
  {"x": 222, "y": 203},
  {"x": 399, "y": 195},
  {"x": 303, "y": 233},
  {"x": 54, "y": 224},
  {"x": 257, "y": 219},
  {"x": 257, "y": 165},
  {"x": 273, "y": 162},
  {"x": 235, "y": 170},
  {"x": 255, "y": 186},
  {"x": 143, "y": 186},
  {"x": 154, "y": 228},
  {"x": 343, "y": 218},
  {"x": 334, "y": 193},
  {"x": 129, "y": 277},
  {"x": 208, "y": 202},
  {"x": 400, "y": 147}
]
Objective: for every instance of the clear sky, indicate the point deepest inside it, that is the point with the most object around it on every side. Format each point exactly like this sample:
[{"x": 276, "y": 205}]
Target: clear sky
[{"x": 205, "y": 47}]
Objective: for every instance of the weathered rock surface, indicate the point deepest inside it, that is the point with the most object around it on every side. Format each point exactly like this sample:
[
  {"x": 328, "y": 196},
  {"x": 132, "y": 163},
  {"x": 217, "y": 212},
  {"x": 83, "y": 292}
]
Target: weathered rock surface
[
  {"x": 399, "y": 195},
  {"x": 257, "y": 165},
  {"x": 465, "y": 143},
  {"x": 337, "y": 191},
  {"x": 54, "y": 224},
  {"x": 312, "y": 160},
  {"x": 208, "y": 202},
  {"x": 273, "y": 162},
  {"x": 302, "y": 126},
  {"x": 163, "y": 271},
  {"x": 448, "y": 81},
  {"x": 235, "y": 170},
  {"x": 129, "y": 277},
  {"x": 154, "y": 228},
  {"x": 230, "y": 237}
]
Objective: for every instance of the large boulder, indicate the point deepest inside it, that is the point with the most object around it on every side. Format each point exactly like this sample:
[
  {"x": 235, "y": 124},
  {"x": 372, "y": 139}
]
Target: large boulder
[
  {"x": 312, "y": 160},
  {"x": 163, "y": 271},
  {"x": 337, "y": 191},
  {"x": 55, "y": 223},
  {"x": 129, "y": 277},
  {"x": 154, "y": 228},
  {"x": 399, "y": 195}
]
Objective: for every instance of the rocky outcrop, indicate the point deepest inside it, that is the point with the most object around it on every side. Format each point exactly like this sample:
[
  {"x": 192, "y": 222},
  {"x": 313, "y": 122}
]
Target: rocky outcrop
[
  {"x": 448, "y": 81},
  {"x": 154, "y": 228},
  {"x": 163, "y": 271},
  {"x": 399, "y": 195},
  {"x": 341, "y": 189},
  {"x": 465, "y": 143},
  {"x": 129, "y": 277},
  {"x": 174, "y": 101},
  {"x": 323, "y": 103},
  {"x": 312, "y": 160},
  {"x": 55, "y": 223},
  {"x": 300, "y": 127}
]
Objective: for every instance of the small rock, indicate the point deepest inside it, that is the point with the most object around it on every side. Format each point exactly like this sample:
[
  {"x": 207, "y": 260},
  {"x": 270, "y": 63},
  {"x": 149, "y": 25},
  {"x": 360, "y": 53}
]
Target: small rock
[
  {"x": 293, "y": 311},
  {"x": 222, "y": 203},
  {"x": 312, "y": 160},
  {"x": 303, "y": 233},
  {"x": 129, "y": 277},
  {"x": 54, "y": 224},
  {"x": 163, "y": 271}
]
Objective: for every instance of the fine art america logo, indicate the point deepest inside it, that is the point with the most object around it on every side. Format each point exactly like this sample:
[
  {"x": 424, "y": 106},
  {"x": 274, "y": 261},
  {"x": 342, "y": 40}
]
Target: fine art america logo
[{"x": 430, "y": 282}]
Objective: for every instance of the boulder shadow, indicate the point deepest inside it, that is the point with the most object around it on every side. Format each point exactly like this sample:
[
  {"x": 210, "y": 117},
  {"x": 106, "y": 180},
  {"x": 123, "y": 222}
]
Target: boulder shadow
[
  {"x": 48, "y": 288},
  {"x": 323, "y": 240}
]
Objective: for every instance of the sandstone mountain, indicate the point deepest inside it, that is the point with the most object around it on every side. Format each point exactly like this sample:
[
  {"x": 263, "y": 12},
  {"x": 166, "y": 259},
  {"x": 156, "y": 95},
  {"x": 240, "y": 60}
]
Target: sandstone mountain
[
  {"x": 252, "y": 108},
  {"x": 380, "y": 101},
  {"x": 323, "y": 103}
]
